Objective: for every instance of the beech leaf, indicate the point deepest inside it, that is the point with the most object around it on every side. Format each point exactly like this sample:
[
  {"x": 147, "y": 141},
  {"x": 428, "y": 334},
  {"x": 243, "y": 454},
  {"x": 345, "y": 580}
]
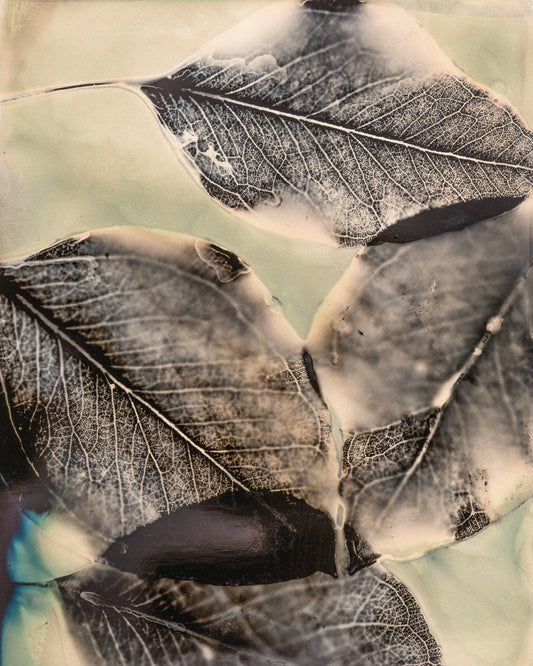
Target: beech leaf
[{"x": 347, "y": 126}]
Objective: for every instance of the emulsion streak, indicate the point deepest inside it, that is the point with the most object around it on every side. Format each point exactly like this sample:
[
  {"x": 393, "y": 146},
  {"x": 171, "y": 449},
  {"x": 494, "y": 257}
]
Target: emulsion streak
[{"x": 238, "y": 538}]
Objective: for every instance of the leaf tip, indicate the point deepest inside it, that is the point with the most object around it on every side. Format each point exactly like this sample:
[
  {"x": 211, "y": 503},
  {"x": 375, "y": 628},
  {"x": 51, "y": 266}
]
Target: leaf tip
[{"x": 227, "y": 265}]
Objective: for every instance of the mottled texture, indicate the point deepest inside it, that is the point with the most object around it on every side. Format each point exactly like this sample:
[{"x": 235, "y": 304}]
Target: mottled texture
[
  {"x": 404, "y": 319},
  {"x": 137, "y": 385},
  {"x": 449, "y": 470}
]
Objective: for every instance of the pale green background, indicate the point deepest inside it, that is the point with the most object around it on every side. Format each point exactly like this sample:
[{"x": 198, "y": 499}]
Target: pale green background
[{"x": 91, "y": 158}]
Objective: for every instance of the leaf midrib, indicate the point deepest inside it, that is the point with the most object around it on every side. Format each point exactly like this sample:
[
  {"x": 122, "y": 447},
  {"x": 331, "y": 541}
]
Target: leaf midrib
[
  {"x": 56, "y": 330},
  {"x": 225, "y": 99}
]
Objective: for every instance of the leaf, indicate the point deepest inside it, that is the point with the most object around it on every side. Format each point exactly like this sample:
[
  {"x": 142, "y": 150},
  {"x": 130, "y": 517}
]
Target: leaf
[
  {"x": 98, "y": 432},
  {"x": 135, "y": 384},
  {"x": 354, "y": 121},
  {"x": 434, "y": 365},
  {"x": 330, "y": 5},
  {"x": 369, "y": 618},
  {"x": 403, "y": 320}
]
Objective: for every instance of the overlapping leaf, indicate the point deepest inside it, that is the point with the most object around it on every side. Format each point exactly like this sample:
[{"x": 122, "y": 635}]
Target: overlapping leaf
[
  {"x": 125, "y": 379},
  {"x": 353, "y": 120},
  {"x": 451, "y": 470},
  {"x": 138, "y": 385},
  {"x": 135, "y": 384},
  {"x": 99, "y": 433}
]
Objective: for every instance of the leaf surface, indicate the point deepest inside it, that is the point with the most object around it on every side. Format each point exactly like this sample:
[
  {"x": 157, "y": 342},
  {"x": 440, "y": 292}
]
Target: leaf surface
[
  {"x": 403, "y": 320},
  {"x": 428, "y": 365},
  {"x": 353, "y": 120},
  {"x": 369, "y": 618},
  {"x": 138, "y": 384},
  {"x": 97, "y": 431}
]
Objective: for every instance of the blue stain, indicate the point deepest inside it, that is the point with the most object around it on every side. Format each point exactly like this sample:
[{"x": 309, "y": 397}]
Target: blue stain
[
  {"x": 25, "y": 560},
  {"x": 25, "y": 626},
  {"x": 30, "y": 605}
]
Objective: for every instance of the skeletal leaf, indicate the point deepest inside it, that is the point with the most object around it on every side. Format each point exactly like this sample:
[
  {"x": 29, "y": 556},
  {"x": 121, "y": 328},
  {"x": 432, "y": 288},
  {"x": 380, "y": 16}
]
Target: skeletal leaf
[
  {"x": 370, "y": 618},
  {"x": 353, "y": 120},
  {"x": 136, "y": 384}
]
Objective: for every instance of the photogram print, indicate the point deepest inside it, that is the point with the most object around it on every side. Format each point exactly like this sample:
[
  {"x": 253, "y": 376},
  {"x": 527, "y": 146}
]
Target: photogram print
[{"x": 200, "y": 462}]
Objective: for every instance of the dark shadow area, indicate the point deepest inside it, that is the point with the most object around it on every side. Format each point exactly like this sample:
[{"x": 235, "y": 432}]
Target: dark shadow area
[{"x": 238, "y": 538}]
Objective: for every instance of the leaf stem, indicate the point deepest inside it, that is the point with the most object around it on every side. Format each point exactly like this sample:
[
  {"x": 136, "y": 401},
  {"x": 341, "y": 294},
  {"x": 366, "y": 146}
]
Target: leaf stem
[{"x": 106, "y": 83}]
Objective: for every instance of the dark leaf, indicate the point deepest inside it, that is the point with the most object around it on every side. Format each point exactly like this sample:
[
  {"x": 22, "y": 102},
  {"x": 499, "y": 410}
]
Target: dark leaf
[
  {"x": 239, "y": 538},
  {"x": 354, "y": 121},
  {"x": 366, "y": 619},
  {"x": 330, "y": 5}
]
